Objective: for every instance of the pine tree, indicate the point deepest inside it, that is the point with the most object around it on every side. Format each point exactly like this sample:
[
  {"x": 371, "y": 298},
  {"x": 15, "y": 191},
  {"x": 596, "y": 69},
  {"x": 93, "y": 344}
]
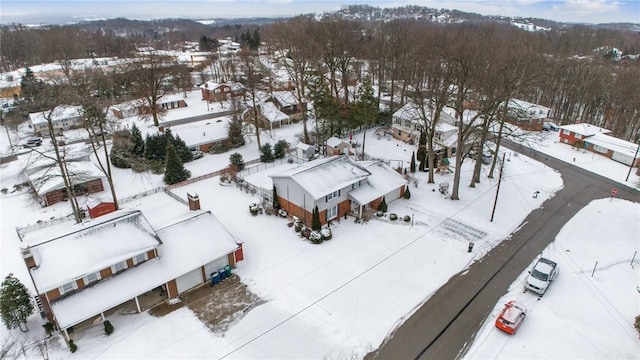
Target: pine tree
[
  {"x": 407, "y": 193},
  {"x": 174, "y": 171},
  {"x": 383, "y": 205},
  {"x": 266, "y": 154},
  {"x": 138, "y": 142},
  {"x": 276, "y": 204},
  {"x": 30, "y": 86},
  {"x": 279, "y": 149},
  {"x": 16, "y": 304},
  {"x": 412, "y": 167},
  {"x": 235, "y": 131},
  {"x": 182, "y": 149},
  {"x": 236, "y": 161},
  {"x": 315, "y": 219},
  {"x": 108, "y": 327}
]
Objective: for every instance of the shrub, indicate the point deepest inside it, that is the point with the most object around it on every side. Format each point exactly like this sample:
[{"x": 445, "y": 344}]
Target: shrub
[
  {"x": 637, "y": 323},
  {"x": 383, "y": 205},
  {"x": 72, "y": 346},
  {"x": 393, "y": 217},
  {"x": 279, "y": 149},
  {"x": 236, "y": 161},
  {"x": 108, "y": 328},
  {"x": 48, "y": 327},
  {"x": 407, "y": 193},
  {"x": 219, "y": 148},
  {"x": 407, "y": 218},
  {"x": 266, "y": 153}
]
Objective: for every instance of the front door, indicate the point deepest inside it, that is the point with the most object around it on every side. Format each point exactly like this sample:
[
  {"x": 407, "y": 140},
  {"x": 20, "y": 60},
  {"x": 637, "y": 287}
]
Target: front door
[{"x": 332, "y": 212}]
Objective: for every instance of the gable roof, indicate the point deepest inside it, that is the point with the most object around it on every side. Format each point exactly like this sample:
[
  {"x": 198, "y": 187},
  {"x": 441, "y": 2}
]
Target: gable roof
[
  {"x": 334, "y": 142},
  {"x": 68, "y": 251},
  {"x": 59, "y": 113},
  {"x": 585, "y": 129},
  {"x": 50, "y": 178},
  {"x": 271, "y": 112},
  {"x": 323, "y": 176},
  {"x": 285, "y": 98},
  {"x": 382, "y": 181}
]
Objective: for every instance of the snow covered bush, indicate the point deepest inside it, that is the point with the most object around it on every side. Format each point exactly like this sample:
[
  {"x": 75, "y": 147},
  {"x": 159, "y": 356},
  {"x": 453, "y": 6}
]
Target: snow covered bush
[
  {"x": 326, "y": 234},
  {"x": 108, "y": 328},
  {"x": 315, "y": 237}
]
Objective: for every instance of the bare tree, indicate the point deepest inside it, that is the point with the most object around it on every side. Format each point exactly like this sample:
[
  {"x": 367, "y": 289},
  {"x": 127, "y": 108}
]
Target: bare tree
[
  {"x": 252, "y": 80},
  {"x": 151, "y": 77}
]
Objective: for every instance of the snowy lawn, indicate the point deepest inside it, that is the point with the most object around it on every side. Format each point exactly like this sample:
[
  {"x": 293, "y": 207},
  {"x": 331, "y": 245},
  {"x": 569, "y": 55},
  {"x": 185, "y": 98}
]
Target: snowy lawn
[
  {"x": 337, "y": 299},
  {"x": 584, "y": 314}
]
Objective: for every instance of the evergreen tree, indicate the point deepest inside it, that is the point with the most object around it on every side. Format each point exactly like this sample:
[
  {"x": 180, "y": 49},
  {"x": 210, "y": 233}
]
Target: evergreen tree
[
  {"x": 412, "y": 167},
  {"x": 255, "y": 40},
  {"x": 276, "y": 204},
  {"x": 279, "y": 149},
  {"x": 236, "y": 161},
  {"x": 315, "y": 219},
  {"x": 182, "y": 149},
  {"x": 366, "y": 109},
  {"x": 266, "y": 154},
  {"x": 15, "y": 303},
  {"x": 235, "y": 131},
  {"x": 383, "y": 205},
  {"x": 108, "y": 327},
  {"x": 407, "y": 193},
  {"x": 122, "y": 149},
  {"x": 174, "y": 171},
  {"x": 30, "y": 86},
  {"x": 155, "y": 147},
  {"x": 138, "y": 142}
]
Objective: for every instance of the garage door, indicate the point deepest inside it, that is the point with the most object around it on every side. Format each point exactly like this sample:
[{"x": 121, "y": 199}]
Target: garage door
[
  {"x": 189, "y": 280},
  {"x": 215, "y": 266},
  {"x": 623, "y": 158}
]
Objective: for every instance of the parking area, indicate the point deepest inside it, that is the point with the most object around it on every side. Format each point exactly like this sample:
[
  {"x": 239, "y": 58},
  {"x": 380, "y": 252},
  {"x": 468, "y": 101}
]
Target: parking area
[{"x": 217, "y": 306}]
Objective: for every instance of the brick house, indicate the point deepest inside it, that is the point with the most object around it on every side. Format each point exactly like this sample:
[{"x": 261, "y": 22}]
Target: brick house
[
  {"x": 213, "y": 91},
  {"x": 287, "y": 102},
  {"x": 49, "y": 187},
  {"x": 526, "y": 115},
  {"x": 157, "y": 242},
  {"x": 338, "y": 186},
  {"x": 597, "y": 140}
]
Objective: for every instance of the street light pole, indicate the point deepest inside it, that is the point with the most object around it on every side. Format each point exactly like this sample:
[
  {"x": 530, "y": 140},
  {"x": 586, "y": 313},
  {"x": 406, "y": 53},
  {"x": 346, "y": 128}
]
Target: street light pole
[{"x": 633, "y": 162}]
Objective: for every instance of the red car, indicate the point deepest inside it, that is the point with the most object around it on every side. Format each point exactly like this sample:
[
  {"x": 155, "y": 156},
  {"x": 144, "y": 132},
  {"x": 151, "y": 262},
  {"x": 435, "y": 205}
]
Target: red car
[{"x": 511, "y": 317}]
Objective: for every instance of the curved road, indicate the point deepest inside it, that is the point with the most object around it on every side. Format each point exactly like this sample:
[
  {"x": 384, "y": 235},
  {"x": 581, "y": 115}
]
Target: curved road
[{"x": 446, "y": 324}]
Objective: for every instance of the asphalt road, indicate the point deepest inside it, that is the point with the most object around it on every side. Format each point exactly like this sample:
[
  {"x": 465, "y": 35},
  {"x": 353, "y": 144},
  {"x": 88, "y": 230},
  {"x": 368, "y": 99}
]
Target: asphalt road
[{"x": 446, "y": 324}]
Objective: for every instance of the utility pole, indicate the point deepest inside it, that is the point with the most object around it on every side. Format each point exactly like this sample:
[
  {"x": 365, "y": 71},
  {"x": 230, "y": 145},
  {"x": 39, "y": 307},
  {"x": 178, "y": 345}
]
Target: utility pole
[
  {"x": 495, "y": 202},
  {"x": 634, "y": 159}
]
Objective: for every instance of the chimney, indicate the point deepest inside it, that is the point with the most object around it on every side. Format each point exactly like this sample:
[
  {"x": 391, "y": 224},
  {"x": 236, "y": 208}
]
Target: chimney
[
  {"x": 29, "y": 260},
  {"x": 194, "y": 201}
]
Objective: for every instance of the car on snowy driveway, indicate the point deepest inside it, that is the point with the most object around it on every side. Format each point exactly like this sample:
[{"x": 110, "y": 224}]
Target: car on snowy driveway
[
  {"x": 511, "y": 317},
  {"x": 541, "y": 276}
]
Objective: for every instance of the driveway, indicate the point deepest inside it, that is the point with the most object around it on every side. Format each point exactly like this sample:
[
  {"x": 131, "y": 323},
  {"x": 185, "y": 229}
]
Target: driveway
[{"x": 446, "y": 324}]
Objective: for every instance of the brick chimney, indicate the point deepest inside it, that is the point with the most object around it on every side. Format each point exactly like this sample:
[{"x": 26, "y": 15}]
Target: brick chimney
[{"x": 194, "y": 201}]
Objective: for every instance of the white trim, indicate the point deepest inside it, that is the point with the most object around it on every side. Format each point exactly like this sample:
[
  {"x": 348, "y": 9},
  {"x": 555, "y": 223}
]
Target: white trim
[
  {"x": 114, "y": 270},
  {"x": 145, "y": 258},
  {"x": 74, "y": 286},
  {"x": 87, "y": 281}
]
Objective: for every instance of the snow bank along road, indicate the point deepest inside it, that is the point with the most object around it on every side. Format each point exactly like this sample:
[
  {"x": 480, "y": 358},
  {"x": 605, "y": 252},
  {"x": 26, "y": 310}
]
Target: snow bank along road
[{"x": 445, "y": 325}]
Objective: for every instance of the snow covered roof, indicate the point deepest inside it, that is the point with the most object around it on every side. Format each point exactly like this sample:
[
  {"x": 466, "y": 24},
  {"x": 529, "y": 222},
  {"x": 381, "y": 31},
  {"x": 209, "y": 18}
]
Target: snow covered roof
[
  {"x": 334, "y": 142},
  {"x": 585, "y": 129},
  {"x": 411, "y": 112},
  {"x": 285, "y": 98},
  {"x": 323, "y": 176},
  {"x": 59, "y": 113},
  {"x": 203, "y": 132},
  {"x": 271, "y": 113},
  {"x": 186, "y": 245},
  {"x": 304, "y": 146},
  {"x": 613, "y": 143},
  {"x": 50, "y": 178},
  {"x": 524, "y": 108},
  {"x": 68, "y": 251},
  {"x": 171, "y": 98},
  {"x": 383, "y": 180}
]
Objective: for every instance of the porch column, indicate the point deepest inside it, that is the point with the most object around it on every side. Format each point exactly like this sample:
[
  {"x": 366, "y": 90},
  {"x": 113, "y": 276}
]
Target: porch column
[
  {"x": 137, "y": 304},
  {"x": 66, "y": 334},
  {"x": 102, "y": 315}
]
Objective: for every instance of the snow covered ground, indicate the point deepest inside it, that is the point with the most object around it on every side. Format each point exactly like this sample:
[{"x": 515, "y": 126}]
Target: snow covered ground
[{"x": 335, "y": 300}]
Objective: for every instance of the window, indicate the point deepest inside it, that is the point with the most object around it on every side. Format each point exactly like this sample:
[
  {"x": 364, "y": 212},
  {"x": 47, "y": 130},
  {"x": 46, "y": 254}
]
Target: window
[
  {"x": 68, "y": 287},
  {"x": 119, "y": 267},
  {"x": 332, "y": 212},
  {"x": 91, "y": 278},
  {"x": 140, "y": 258},
  {"x": 565, "y": 132},
  {"x": 334, "y": 194},
  {"x": 355, "y": 185}
]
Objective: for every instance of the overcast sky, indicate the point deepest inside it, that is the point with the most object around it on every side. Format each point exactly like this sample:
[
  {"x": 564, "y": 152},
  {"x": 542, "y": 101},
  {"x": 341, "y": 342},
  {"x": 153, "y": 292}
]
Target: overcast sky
[{"x": 35, "y": 11}]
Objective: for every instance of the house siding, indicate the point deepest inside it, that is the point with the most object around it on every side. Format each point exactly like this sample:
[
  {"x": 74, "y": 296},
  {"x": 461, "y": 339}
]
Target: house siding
[
  {"x": 53, "y": 294},
  {"x": 105, "y": 273}
]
